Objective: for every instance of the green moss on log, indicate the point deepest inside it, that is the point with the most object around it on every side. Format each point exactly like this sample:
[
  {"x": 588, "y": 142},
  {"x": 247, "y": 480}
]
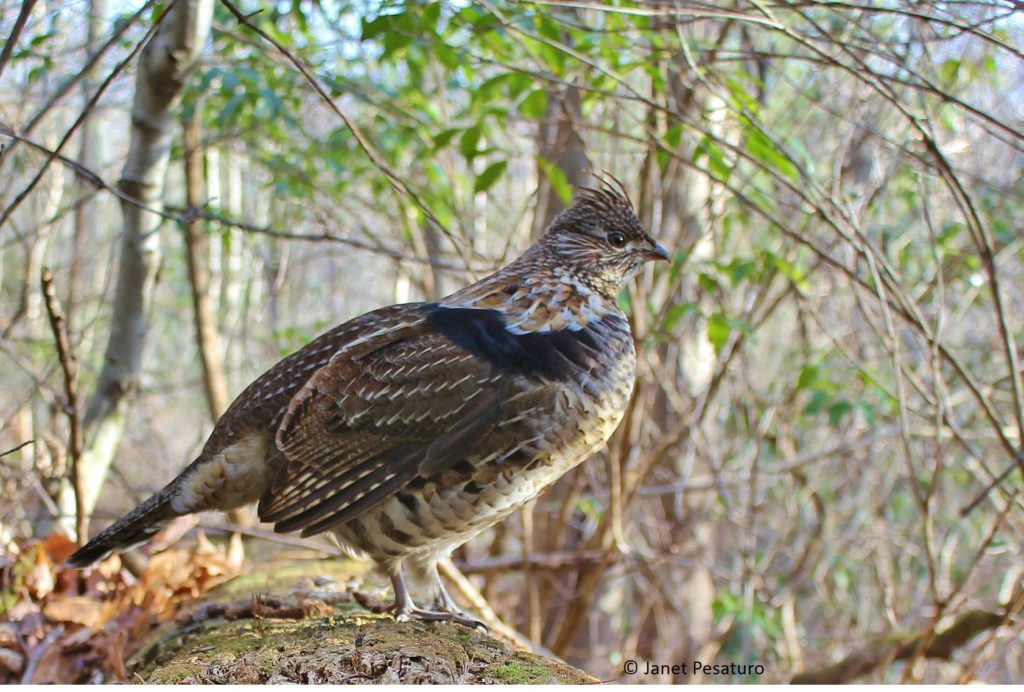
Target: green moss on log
[{"x": 340, "y": 643}]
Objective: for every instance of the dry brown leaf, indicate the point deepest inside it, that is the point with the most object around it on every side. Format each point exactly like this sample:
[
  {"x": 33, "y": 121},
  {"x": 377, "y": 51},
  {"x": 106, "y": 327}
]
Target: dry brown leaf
[
  {"x": 110, "y": 568},
  {"x": 80, "y": 626},
  {"x": 114, "y": 659},
  {"x": 40, "y": 578},
  {"x": 59, "y": 547},
  {"x": 81, "y": 610}
]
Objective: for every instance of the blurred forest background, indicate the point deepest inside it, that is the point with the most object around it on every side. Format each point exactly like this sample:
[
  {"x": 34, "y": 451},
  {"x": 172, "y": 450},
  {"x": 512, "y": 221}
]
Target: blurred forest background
[{"x": 821, "y": 469}]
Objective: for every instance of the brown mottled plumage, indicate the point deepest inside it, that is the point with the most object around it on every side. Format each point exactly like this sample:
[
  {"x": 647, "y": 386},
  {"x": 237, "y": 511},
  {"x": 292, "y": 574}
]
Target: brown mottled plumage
[{"x": 410, "y": 429}]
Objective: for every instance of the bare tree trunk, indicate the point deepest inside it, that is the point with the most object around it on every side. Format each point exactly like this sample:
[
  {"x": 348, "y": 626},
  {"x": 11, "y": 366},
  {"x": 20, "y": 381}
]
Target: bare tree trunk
[
  {"x": 83, "y": 216},
  {"x": 231, "y": 264},
  {"x": 164, "y": 65},
  {"x": 559, "y": 144},
  {"x": 50, "y": 459},
  {"x": 207, "y": 336}
]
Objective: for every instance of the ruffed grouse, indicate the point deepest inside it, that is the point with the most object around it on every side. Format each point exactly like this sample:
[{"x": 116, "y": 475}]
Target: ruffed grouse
[{"x": 410, "y": 429}]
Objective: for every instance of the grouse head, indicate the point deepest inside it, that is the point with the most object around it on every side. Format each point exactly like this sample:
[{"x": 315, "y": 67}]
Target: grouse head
[{"x": 600, "y": 240}]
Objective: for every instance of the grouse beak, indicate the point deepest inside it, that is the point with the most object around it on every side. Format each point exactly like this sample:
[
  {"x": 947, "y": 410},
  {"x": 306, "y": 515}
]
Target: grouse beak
[{"x": 658, "y": 252}]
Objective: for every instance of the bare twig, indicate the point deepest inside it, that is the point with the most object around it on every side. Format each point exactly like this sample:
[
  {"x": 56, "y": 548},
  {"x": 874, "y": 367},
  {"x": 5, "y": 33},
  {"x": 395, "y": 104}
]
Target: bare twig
[
  {"x": 539, "y": 561},
  {"x": 12, "y": 39},
  {"x": 20, "y": 197},
  {"x": 376, "y": 158},
  {"x": 12, "y": 450},
  {"x": 119, "y": 30},
  {"x": 450, "y": 572},
  {"x": 39, "y": 651},
  {"x": 873, "y": 656},
  {"x": 185, "y": 215},
  {"x": 68, "y": 365}
]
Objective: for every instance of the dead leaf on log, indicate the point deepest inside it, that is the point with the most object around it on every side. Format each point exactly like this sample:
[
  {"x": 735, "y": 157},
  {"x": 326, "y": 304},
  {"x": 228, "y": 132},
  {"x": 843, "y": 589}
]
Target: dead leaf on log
[
  {"x": 71, "y": 626},
  {"x": 81, "y": 610}
]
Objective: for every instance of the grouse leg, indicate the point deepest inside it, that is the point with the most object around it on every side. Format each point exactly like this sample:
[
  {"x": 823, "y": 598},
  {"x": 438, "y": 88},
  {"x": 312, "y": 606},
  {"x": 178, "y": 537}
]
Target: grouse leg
[
  {"x": 406, "y": 610},
  {"x": 444, "y": 603}
]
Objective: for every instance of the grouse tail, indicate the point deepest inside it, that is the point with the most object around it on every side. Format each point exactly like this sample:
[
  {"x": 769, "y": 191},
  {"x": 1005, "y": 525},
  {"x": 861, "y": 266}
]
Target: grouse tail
[{"x": 131, "y": 530}]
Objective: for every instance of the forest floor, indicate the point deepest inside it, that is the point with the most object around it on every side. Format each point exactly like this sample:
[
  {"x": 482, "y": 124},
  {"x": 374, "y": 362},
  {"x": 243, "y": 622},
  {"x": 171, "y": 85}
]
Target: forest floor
[{"x": 196, "y": 616}]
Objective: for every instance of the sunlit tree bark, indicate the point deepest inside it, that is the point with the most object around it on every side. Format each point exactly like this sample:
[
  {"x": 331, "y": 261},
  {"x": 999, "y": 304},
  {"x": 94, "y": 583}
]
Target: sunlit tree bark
[{"x": 164, "y": 67}]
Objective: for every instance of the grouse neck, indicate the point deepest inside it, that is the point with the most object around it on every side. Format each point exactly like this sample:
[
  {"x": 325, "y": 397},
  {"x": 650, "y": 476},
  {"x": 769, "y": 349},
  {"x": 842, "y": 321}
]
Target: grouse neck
[{"x": 536, "y": 293}]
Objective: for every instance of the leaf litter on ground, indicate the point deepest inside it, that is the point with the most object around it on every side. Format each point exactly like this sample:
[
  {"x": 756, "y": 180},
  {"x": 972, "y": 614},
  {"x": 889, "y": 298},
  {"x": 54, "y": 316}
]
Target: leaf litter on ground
[{"x": 61, "y": 625}]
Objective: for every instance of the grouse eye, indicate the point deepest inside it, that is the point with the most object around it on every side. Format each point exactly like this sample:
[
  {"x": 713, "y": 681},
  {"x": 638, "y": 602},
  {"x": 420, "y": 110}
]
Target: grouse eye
[{"x": 616, "y": 239}]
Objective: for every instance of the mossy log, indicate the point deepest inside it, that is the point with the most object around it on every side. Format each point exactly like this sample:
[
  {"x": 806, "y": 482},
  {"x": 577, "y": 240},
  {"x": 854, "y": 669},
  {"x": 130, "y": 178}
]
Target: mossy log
[{"x": 279, "y": 625}]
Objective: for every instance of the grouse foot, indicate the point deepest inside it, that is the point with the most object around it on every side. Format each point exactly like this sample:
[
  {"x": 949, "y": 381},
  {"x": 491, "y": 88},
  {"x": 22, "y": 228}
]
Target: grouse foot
[{"x": 446, "y": 611}]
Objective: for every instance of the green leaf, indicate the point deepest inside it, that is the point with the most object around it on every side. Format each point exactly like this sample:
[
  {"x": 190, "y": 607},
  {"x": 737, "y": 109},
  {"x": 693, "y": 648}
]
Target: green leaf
[
  {"x": 556, "y": 176},
  {"x": 42, "y": 38},
  {"x": 717, "y": 163},
  {"x": 742, "y": 99},
  {"x": 375, "y": 27},
  {"x": 708, "y": 282},
  {"x": 819, "y": 399},
  {"x": 518, "y": 82},
  {"x": 760, "y": 147},
  {"x": 719, "y": 331},
  {"x": 270, "y": 98},
  {"x": 663, "y": 158},
  {"x": 300, "y": 16},
  {"x": 738, "y": 270},
  {"x": 446, "y": 55},
  {"x": 625, "y": 302},
  {"x": 808, "y": 376},
  {"x": 468, "y": 142},
  {"x": 230, "y": 108},
  {"x": 949, "y": 70},
  {"x": 394, "y": 42},
  {"x": 674, "y": 136},
  {"x": 677, "y": 312},
  {"x": 441, "y": 139},
  {"x": 489, "y": 176},
  {"x": 429, "y": 16},
  {"x": 837, "y": 410},
  {"x": 489, "y": 91},
  {"x": 553, "y": 57},
  {"x": 229, "y": 80},
  {"x": 535, "y": 105}
]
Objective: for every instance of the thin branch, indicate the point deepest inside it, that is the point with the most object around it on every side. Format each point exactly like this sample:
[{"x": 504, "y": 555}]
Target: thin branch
[
  {"x": 376, "y": 158},
  {"x": 546, "y": 561},
  {"x": 68, "y": 364},
  {"x": 119, "y": 30},
  {"x": 39, "y": 651},
  {"x": 12, "y": 40},
  {"x": 185, "y": 215},
  {"x": 944, "y": 644},
  {"x": 310, "y": 237},
  {"x": 82, "y": 116},
  {"x": 449, "y": 571},
  {"x": 14, "y": 449}
]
